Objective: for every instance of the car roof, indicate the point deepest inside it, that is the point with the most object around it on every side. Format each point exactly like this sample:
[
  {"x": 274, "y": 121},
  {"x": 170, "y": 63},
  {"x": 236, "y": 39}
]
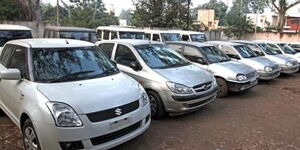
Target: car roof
[
  {"x": 63, "y": 28},
  {"x": 186, "y": 32},
  {"x": 115, "y": 28},
  {"x": 159, "y": 31},
  {"x": 268, "y": 41},
  {"x": 13, "y": 27},
  {"x": 129, "y": 41},
  {"x": 197, "y": 44},
  {"x": 50, "y": 43},
  {"x": 223, "y": 43}
]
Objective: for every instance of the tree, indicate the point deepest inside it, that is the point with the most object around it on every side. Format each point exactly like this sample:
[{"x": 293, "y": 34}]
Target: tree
[
  {"x": 9, "y": 10},
  {"x": 281, "y": 7},
  {"x": 127, "y": 15}
]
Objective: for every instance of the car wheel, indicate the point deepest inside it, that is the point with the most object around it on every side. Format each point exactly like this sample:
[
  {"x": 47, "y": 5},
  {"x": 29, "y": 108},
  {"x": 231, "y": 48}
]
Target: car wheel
[
  {"x": 157, "y": 107},
  {"x": 223, "y": 87},
  {"x": 30, "y": 138}
]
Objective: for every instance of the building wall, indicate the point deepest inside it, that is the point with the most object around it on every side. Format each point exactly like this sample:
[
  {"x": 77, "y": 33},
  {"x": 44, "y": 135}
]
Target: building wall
[
  {"x": 207, "y": 18},
  {"x": 293, "y": 23},
  {"x": 283, "y": 37}
]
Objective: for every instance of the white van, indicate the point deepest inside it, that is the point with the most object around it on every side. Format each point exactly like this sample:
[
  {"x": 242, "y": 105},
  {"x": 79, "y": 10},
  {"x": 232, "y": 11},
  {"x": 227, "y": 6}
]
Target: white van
[
  {"x": 162, "y": 35},
  {"x": 191, "y": 36},
  {"x": 113, "y": 32}
]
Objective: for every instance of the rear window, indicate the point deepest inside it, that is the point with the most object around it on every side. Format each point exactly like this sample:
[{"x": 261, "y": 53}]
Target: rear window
[{"x": 7, "y": 35}]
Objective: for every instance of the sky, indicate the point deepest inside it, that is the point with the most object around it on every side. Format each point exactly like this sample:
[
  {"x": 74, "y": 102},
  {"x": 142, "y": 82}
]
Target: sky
[{"x": 126, "y": 4}]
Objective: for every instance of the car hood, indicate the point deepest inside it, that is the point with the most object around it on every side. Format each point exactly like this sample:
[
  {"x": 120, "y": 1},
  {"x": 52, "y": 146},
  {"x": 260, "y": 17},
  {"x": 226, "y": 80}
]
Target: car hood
[
  {"x": 93, "y": 95},
  {"x": 281, "y": 59},
  {"x": 297, "y": 57},
  {"x": 190, "y": 75},
  {"x": 230, "y": 68},
  {"x": 258, "y": 63}
]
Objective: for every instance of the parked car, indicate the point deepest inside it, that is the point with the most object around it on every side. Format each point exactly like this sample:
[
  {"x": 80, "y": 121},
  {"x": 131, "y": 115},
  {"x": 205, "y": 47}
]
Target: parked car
[
  {"x": 12, "y": 32},
  {"x": 231, "y": 75},
  {"x": 66, "y": 94},
  {"x": 284, "y": 49},
  {"x": 295, "y": 46},
  {"x": 287, "y": 64},
  {"x": 266, "y": 68},
  {"x": 191, "y": 36},
  {"x": 113, "y": 32},
  {"x": 162, "y": 35},
  {"x": 174, "y": 85},
  {"x": 84, "y": 34}
]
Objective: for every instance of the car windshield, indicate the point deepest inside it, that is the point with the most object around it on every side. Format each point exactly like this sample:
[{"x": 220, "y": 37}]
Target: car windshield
[
  {"x": 198, "y": 37},
  {"x": 159, "y": 56},
  {"x": 84, "y": 36},
  {"x": 268, "y": 50},
  {"x": 70, "y": 64},
  {"x": 274, "y": 47},
  {"x": 132, "y": 35},
  {"x": 214, "y": 55},
  {"x": 171, "y": 37},
  {"x": 6, "y": 35},
  {"x": 245, "y": 51},
  {"x": 287, "y": 49}
]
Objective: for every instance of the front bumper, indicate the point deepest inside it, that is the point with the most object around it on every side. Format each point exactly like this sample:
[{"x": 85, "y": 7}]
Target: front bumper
[
  {"x": 237, "y": 87},
  {"x": 92, "y": 135},
  {"x": 269, "y": 75},
  {"x": 289, "y": 70},
  {"x": 181, "y": 104}
]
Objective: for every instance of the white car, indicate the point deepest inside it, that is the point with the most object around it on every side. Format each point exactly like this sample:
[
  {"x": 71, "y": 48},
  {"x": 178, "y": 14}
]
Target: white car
[{"x": 66, "y": 94}]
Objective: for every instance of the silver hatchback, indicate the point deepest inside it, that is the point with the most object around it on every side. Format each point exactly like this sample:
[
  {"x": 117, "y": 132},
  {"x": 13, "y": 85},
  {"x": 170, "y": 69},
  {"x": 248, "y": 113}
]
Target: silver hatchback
[
  {"x": 174, "y": 85},
  {"x": 231, "y": 75}
]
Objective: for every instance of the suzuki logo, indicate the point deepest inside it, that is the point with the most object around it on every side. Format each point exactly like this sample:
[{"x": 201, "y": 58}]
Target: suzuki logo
[{"x": 118, "y": 111}]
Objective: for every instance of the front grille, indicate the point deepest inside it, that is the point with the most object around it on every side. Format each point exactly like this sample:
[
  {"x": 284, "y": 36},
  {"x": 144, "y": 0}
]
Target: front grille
[
  {"x": 113, "y": 112},
  {"x": 202, "y": 87},
  {"x": 295, "y": 63},
  {"x": 276, "y": 67},
  {"x": 200, "y": 103},
  {"x": 112, "y": 136},
  {"x": 250, "y": 75}
]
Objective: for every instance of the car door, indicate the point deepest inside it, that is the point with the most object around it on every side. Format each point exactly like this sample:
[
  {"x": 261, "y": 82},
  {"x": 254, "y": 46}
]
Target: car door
[
  {"x": 193, "y": 54},
  {"x": 11, "y": 90}
]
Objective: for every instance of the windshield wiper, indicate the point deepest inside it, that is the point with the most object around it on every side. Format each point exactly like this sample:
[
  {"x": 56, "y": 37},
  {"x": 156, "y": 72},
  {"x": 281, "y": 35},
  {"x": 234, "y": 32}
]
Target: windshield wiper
[
  {"x": 70, "y": 76},
  {"x": 105, "y": 73}
]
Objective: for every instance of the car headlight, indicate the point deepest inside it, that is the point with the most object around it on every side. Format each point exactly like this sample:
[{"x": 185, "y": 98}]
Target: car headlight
[
  {"x": 268, "y": 69},
  {"x": 214, "y": 83},
  {"x": 289, "y": 64},
  {"x": 64, "y": 115},
  {"x": 145, "y": 99},
  {"x": 179, "y": 88},
  {"x": 241, "y": 77}
]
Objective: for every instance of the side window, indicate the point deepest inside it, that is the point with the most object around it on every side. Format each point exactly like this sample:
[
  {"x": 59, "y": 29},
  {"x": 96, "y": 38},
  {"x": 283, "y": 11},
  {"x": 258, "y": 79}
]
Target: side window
[
  {"x": 46, "y": 34},
  {"x": 193, "y": 54},
  {"x": 18, "y": 60},
  {"x": 105, "y": 35},
  {"x": 148, "y": 36},
  {"x": 6, "y": 53},
  {"x": 256, "y": 49},
  {"x": 51, "y": 35},
  {"x": 124, "y": 55},
  {"x": 107, "y": 48},
  {"x": 99, "y": 34},
  {"x": 230, "y": 52},
  {"x": 178, "y": 48},
  {"x": 113, "y": 35},
  {"x": 185, "y": 37},
  {"x": 155, "y": 37}
]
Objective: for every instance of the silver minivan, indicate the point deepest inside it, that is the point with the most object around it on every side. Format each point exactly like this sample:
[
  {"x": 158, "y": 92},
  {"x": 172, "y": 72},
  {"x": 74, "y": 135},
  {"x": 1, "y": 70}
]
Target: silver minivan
[
  {"x": 66, "y": 94},
  {"x": 287, "y": 64},
  {"x": 231, "y": 75},
  {"x": 174, "y": 85},
  {"x": 266, "y": 68}
]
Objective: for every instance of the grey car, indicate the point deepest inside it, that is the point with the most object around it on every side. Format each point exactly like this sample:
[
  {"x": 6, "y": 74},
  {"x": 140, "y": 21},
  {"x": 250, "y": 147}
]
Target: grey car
[
  {"x": 287, "y": 64},
  {"x": 174, "y": 85},
  {"x": 266, "y": 68},
  {"x": 231, "y": 75}
]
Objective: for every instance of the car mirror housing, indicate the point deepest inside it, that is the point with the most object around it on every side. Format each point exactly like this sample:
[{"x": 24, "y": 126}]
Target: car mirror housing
[
  {"x": 135, "y": 66},
  {"x": 10, "y": 74}
]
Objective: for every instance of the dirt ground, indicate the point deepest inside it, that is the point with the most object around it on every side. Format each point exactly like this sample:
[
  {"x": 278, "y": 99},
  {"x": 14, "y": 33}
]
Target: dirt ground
[{"x": 265, "y": 118}]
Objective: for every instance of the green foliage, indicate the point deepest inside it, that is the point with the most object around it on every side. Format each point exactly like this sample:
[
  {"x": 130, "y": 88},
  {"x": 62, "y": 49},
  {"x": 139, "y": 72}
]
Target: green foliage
[
  {"x": 9, "y": 10},
  {"x": 127, "y": 15}
]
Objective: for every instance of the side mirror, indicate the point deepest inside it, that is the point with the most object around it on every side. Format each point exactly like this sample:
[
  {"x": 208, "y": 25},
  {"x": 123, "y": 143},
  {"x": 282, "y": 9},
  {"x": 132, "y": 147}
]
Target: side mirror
[
  {"x": 202, "y": 61},
  {"x": 135, "y": 66},
  {"x": 10, "y": 74},
  {"x": 114, "y": 62}
]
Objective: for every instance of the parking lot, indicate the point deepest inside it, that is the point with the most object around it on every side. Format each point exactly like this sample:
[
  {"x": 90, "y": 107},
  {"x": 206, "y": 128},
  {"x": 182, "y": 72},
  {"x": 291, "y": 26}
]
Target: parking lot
[{"x": 264, "y": 118}]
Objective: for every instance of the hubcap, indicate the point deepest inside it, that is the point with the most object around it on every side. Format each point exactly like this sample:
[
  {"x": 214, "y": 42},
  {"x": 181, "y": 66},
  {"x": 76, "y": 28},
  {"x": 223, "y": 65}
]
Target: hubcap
[
  {"x": 153, "y": 105},
  {"x": 30, "y": 139}
]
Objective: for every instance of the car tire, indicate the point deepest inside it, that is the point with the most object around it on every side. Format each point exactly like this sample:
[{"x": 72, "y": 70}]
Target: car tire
[
  {"x": 157, "y": 107},
  {"x": 30, "y": 138},
  {"x": 222, "y": 88},
  {"x": 1, "y": 112}
]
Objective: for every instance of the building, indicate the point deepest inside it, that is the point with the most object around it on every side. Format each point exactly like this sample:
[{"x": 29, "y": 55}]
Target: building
[{"x": 206, "y": 20}]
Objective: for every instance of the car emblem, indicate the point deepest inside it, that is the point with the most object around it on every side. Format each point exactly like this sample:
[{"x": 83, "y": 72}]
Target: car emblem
[{"x": 118, "y": 111}]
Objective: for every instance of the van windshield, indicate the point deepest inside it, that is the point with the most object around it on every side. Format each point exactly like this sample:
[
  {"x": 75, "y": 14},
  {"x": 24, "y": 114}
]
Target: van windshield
[
  {"x": 79, "y": 35},
  {"x": 159, "y": 56},
  {"x": 198, "y": 37},
  {"x": 7, "y": 35},
  {"x": 245, "y": 51},
  {"x": 70, "y": 64},
  {"x": 132, "y": 35},
  {"x": 214, "y": 55},
  {"x": 268, "y": 50},
  {"x": 171, "y": 37},
  {"x": 287, "y": 49}
]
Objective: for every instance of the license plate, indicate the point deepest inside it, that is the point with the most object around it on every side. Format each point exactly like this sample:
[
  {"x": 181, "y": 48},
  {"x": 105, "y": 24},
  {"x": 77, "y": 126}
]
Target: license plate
[{"x": 119, "y": 123}]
